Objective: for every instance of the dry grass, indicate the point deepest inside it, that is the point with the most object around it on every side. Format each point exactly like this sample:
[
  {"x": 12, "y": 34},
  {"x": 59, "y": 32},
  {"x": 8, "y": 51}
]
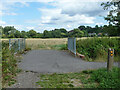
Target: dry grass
[
  {"x": 35, "y": 43},
  {"x": 39, "y": 43},
  {"x": 45, "y": 43}
]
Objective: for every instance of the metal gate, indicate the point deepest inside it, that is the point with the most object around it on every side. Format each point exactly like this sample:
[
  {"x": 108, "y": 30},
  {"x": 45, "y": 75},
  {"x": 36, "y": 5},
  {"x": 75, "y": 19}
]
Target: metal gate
[
  {"x": 17, "y": 44},
  {"x": 72, "y": 45}
]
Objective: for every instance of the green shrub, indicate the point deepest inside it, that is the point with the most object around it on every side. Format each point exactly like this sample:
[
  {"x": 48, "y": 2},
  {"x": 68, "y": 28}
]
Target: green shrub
[
  {"x": 9, "y": 63},
  {"x": 95, "y": 48},
  {"x": 9, "y": 66},
  {"x": 106, "y": 79}
]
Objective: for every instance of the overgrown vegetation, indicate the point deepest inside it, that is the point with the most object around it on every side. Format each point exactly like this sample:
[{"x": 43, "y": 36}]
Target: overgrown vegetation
[
  {"x": 86, "y": 79},
  {"x": 9, "y": 65},
  {"x": 97, "y": 48},
  {"x": 106, "y": 79}
]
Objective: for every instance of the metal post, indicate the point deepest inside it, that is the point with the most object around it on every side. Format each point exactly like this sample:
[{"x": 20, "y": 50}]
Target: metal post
[
  {"x": 9, "y": 44},
  {"x": 110, "y": 59},
  {"x": 75, "y": 46},
  {"x": 68, "y": 43},
  {"x": 19, "y": 44},
  {"x": 24, "y": 43}
]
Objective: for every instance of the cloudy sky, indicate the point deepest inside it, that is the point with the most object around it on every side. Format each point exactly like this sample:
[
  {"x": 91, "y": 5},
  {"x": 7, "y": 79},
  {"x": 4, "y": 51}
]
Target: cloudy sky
[{"x": 43, "y": 15}]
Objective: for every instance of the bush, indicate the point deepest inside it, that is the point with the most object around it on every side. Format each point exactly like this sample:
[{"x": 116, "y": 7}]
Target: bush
[
  {"x": 106, "y": 79},
  {"x": 94, "y": 48},
  {"x": 9, "y": 65}
]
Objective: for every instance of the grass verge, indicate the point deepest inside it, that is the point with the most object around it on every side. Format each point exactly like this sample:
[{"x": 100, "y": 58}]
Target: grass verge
[{"x": 100, "y": 78}]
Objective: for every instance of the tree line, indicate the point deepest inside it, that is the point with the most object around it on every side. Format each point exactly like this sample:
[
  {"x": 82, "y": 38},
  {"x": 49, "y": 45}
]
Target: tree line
[{"x": 81, "y": 31}]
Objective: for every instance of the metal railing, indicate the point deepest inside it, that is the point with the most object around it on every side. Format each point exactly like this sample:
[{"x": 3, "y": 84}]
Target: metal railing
[
  {"x": 17, "y": 44},
  {"x": 72, "y": 45}
]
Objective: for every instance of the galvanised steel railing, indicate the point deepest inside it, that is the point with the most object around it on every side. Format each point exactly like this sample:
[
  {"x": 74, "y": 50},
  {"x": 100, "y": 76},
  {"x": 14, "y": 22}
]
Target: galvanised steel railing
[
  {"x": 72, "y": 45},
  {"x": 17, "y": 44}
]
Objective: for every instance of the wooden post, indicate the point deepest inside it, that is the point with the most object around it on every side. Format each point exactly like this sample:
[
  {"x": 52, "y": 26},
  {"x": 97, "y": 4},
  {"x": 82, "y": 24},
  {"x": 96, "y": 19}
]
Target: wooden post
[{"x": 110, "y": 59}]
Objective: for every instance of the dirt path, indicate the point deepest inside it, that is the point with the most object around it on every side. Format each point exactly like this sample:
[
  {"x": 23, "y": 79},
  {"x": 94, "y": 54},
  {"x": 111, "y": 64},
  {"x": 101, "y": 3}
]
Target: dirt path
[{"x": 26, "y": 80}]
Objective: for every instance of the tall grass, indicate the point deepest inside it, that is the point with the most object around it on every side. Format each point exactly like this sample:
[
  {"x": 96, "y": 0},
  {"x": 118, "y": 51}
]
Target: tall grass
[{"x": 97, "y": 48}]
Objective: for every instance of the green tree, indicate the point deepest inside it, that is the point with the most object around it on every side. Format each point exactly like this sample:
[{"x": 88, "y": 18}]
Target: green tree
[
  {"x": 76, "y": 33},
  {"x": 32, "y": 34},
  {"x": 63, "y": 30},
  {"x": 47, "y": 34},
  {"x": 1, "y": 30},
  {"x": 110, "y": 30},
  {"x": 11, "y": 35},
  {"x": 8, "y": 30},
  {"x": 114, "y": 14},
  {"x": 24, "y": 34},
  {"x": 82, "y": 27},
  {"x": 39, "y": 35},
  {"x": 17, "y": 34}
]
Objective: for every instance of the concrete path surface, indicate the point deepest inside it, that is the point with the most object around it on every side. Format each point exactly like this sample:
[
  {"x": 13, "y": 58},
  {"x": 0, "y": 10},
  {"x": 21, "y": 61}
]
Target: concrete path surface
[
  {"x": 53, "y": 61},
  {"x": 49, "y": 61}
]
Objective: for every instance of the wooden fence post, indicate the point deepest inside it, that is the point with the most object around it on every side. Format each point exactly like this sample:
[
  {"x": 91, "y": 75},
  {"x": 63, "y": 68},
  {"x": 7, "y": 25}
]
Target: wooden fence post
[{"x": 110, "y": 59}]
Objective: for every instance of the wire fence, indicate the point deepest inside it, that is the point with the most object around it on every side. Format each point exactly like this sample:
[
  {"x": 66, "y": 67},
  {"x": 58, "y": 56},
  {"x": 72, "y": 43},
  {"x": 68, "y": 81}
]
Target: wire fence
[
  {"x": 17, "y": 44},
  {"x": 72, "y": 45}
]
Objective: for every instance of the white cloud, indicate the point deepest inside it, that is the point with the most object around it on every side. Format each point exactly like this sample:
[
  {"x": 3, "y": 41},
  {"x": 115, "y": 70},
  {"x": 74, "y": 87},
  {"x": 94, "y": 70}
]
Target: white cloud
[
  {"x": 6, "y": 6},
  {"x": 54, "y": 16},
  {"x": 29, "y": 28},
  {"x": 2, "y": 22},
  {"x": 41, "y": 29},
  {"x": 44, "y": 1},
  {"x": 69, "y": 26},
  {"x": 73, "y": 13},
  {"x": 73, "y": 7},
  {"x": 68, "y": 14},
  {"x": 18, "y": 27},
  {"x": 100, "y": 23},
  {"x": 8, "y": 13}
]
